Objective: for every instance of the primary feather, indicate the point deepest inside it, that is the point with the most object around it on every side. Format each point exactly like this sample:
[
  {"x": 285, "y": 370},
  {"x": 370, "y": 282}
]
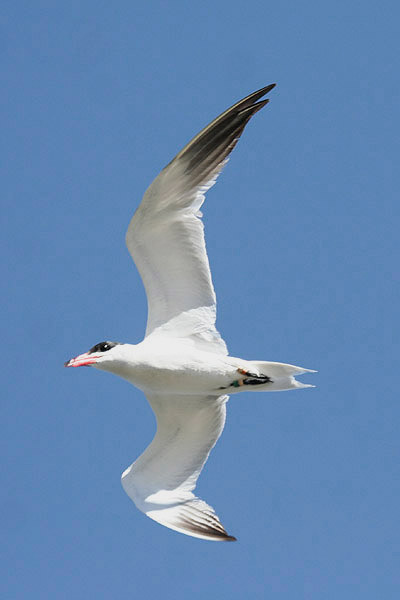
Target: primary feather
[{"x": 182, "y": 365}]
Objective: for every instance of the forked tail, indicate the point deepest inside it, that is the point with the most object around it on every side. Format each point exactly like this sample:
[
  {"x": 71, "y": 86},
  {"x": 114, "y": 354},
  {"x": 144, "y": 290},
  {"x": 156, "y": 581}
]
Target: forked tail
[{"x": 262, "y": 376}]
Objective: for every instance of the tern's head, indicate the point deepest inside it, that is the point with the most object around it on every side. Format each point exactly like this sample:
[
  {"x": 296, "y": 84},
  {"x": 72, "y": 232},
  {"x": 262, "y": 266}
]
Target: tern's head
[{"x": 100, "y": 353}]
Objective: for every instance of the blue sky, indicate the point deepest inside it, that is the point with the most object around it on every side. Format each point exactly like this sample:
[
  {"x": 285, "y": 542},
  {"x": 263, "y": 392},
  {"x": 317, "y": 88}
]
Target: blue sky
[{"x": 302, "y": 233}]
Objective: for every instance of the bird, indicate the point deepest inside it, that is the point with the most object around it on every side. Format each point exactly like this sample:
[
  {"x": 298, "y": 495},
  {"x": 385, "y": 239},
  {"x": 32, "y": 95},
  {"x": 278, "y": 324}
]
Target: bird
[{"x": 182, "y": 365}]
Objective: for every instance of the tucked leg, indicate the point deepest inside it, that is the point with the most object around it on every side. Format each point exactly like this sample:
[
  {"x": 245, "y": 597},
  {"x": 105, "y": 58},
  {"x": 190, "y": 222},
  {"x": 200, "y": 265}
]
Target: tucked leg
[{"x": 250, "y": 379}]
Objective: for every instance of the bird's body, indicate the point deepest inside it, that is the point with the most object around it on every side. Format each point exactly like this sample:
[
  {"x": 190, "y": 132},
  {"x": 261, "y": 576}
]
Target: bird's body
[
  {"x": 183, "y": 365},
  {"x": 178, "y": 367}
]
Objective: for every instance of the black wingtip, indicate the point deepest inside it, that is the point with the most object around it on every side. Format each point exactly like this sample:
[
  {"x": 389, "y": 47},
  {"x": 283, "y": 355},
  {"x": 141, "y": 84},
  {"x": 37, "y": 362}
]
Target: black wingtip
[
  {"x": 258, "y": 94},
  {"x": 257, "y": 106},
  {"x": 253, "y": 97},
  {"x": 265, "y": 90},
  {"x": 268, "y": 88},
  {"x": 214, "y": 143},
  {"x": 230, "y": 538}
]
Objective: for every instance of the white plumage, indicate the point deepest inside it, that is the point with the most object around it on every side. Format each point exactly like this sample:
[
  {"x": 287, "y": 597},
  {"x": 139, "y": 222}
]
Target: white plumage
[{"x": 182, "y": 365}]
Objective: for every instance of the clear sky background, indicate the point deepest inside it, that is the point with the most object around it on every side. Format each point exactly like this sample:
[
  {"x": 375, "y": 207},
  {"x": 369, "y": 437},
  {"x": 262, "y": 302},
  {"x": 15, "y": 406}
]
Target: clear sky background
[{"x": 302, "y": 232}]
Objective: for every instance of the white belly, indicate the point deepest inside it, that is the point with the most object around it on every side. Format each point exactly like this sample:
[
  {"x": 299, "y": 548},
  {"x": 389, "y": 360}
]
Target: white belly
[{"x": 176, "y": 369}]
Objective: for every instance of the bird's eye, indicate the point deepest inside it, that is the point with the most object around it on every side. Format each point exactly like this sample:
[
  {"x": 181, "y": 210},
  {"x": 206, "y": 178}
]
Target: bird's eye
[{"x": 102, "y": 347}]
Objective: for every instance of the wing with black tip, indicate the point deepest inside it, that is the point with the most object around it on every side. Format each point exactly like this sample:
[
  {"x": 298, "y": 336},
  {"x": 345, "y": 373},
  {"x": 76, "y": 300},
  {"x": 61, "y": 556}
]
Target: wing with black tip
[
  {"x": 166, "y": 239},
  {"x": 161, "y": 481}
]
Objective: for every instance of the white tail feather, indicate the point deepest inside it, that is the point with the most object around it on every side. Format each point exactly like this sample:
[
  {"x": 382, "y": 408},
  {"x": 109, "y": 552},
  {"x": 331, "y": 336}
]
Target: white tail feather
[{"x": 282, "y": 377}]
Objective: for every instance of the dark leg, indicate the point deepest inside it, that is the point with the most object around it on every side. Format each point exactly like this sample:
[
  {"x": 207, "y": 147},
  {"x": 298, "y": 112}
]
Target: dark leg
[
  {"x": 250, "y": 379},
  {"x": 253, "y": 379}
]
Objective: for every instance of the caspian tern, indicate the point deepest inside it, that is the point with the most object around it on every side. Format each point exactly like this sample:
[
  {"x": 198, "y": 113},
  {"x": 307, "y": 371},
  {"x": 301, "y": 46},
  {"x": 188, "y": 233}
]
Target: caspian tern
[{"x": 182, "y": 365}]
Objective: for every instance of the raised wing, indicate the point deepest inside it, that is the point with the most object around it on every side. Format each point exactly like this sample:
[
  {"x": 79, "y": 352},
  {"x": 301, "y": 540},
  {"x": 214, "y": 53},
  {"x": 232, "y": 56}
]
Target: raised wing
[
  {"x": 161, "y": 480},
  {"x": 166, "y": 239}
]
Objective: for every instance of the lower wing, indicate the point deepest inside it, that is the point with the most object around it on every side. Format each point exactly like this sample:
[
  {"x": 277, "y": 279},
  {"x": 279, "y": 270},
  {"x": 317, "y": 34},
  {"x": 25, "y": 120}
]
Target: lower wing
[{"x": 161, "y": 481}]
